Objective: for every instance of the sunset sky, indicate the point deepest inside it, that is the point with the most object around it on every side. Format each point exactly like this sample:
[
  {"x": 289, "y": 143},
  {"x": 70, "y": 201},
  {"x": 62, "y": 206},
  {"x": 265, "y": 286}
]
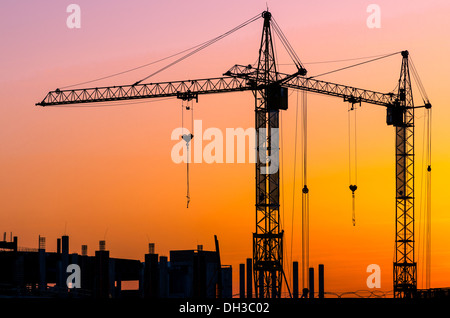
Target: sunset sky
[{"x": 97, "y": 173}]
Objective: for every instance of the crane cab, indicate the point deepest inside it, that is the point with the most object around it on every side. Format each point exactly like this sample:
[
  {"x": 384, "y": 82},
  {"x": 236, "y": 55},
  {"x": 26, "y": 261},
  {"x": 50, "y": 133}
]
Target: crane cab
[{"x": 277, "y": 97}]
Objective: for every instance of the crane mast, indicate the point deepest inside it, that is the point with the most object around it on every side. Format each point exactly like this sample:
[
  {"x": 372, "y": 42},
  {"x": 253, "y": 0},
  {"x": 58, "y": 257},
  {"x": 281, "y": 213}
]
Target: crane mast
[
  {"x": 268, "y": 235},
  {"x": 405, "y": 267},
  {"x": 269, "y": 88}
]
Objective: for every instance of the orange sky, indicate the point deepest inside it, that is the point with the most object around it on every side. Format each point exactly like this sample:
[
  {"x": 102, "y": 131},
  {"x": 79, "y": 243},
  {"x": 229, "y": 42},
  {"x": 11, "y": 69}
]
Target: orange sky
[{"x": 106, "y": 172}]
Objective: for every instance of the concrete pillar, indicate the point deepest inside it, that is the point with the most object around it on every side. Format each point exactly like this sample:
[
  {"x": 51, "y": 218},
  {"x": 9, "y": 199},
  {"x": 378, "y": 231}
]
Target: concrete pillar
[
  {"x": 58, "y": 263},
  {"x": 42, "y": 265},
  {"x": 64, "y": 261},
  {"x": 58, "y": 246},
  {"x": 151, "y": 276},
  {"x": 295, "y": 279},
  {"x": 101, "y": 273},
  {"x": 311, "y": 282},
  {"x": 321, "y": 281},
  {"x": 249, "y": 278},
  {"x": 242, "y": 280},
  {"x": 84, "y": 250}
]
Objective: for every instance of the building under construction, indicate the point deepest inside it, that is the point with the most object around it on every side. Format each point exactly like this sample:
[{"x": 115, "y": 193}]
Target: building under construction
[
  {"x": 28, "y": 272},
  {"x": 188, "y": 274}
]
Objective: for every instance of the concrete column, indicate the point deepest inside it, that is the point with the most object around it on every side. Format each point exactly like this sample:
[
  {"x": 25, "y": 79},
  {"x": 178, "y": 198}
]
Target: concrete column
[
  {"x": 151, "y": 276},
  {"x": 295, "y": 279},
  {"x": 101, "y": 274},
  {"x": 42, "y": 266},
  {"x": 64, "y": 261},
  {"x": 311, "y": 282},
  {"x": 321, "y": 281},
  {"x": 242, "y": 280},
  {"x": 58, "y": 246},
  {"x": 249, "y": 278}
]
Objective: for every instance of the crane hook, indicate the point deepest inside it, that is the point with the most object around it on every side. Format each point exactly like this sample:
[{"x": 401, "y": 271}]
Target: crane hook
[{"x": 187, "y": 138}]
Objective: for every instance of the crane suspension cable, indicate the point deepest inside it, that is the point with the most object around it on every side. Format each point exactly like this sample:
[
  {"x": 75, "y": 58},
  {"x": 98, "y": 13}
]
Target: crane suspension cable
[
  {"x": 192, "y": 50},
  {"x": 290, "y": 50},
  {"x": 337, "y": 61},
  {"x": 201, "y": 47},
  {"x": 354, "y": 65},
  {"x": 134, "y": 68},
  {"x": 345, "y": 60},
  {"x": 418, "y": 81}
]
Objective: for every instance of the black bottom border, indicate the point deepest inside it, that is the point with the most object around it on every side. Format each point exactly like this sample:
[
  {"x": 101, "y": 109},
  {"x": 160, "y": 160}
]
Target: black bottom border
[{"x": 224, "y": 308}]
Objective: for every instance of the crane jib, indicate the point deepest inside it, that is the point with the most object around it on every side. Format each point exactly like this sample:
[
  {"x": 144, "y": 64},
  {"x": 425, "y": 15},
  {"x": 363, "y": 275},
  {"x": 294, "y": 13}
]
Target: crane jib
[{"x": 234, "y": 82}]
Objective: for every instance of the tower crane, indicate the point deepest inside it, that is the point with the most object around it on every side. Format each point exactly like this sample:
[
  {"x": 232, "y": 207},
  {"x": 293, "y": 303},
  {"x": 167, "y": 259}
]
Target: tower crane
[{"x": 270, "y": 87}]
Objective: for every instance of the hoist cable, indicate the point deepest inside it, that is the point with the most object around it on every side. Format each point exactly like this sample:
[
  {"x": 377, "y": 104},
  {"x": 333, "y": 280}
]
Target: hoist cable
[
  {"x": 188, "y": 195},
  {"x": 282, "y": 210},
  {"x": 353, "y": 179},
  {"x": 305, "y": 193},
  {"x": 425, "y": 207},
  {"x": 294, "y": 173},
  {"x": 428, "y": 202},
  {"x": 422, "y": 206},
  {"x": 187, "y": 138}
]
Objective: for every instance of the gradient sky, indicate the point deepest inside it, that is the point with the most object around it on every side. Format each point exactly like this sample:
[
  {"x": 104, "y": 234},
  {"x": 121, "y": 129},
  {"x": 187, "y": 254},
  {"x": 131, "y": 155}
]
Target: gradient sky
[{"x": 106, "y": 173}]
